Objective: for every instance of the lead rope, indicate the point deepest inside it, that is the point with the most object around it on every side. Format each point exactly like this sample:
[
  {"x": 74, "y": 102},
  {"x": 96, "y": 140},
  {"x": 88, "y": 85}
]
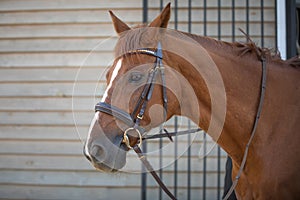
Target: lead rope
[{"x": 261, "y": 101}]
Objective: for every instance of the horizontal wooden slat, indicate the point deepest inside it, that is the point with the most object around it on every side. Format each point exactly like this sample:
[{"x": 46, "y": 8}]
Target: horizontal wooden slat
[
  {"x": 68, "y": 74},
  {"x": 91, "y": 179},
  {"x": 56, "y": 59},
  {"x": 40, "y": 118},
  {"x": 77, "y": 16},
  {"x": 41, "y": 147},
  {"x": 214, "y": 3},
  {"x": 20, "y": 162},
  {"x": 168, "y": 164},
  {"x": 68, "y": 178},
  {"x": 39, "y": 192},
  {"x": 106, "y": 30},
  {"x": 57, "y": 45},
  {"x": 51, "y": 89},
  {"x": 56, "y": 30},
  {"x": 197, "y": 15},
  {"x": 102, "y": 16},
  {"x": 48, "y": 104},
  {"x": 258, "y": 3},
  {"x": 22, "y": 132},
  {"x": 226, "y": 29},
  {"x": 195, "y": 193},
  {"x": 17, "y": 5}
]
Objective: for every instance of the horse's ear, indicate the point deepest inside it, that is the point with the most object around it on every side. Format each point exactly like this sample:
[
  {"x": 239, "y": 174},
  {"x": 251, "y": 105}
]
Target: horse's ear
[
  {"x": 162, "y": 19},
  {"x": 119, "y": 25}
]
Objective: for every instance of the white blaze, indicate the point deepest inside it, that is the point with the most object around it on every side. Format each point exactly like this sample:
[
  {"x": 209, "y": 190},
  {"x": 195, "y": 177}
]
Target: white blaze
[
  {"x": 96, "y": 117},
  {"x": 114, "y": 75}
]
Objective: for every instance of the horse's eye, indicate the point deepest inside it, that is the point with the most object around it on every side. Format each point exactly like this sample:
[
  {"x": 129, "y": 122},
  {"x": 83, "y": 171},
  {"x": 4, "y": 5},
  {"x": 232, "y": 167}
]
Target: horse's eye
[{"x": 135, "y": 77}]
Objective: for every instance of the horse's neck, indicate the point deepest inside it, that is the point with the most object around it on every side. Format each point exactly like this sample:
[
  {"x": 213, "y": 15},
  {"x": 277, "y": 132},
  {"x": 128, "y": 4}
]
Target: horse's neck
[{"x": 242, "y": 79}]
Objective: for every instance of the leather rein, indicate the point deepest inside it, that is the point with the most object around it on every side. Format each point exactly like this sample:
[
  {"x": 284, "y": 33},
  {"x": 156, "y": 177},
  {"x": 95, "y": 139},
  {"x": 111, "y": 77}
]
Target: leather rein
[{"x": 133, "y": 120}]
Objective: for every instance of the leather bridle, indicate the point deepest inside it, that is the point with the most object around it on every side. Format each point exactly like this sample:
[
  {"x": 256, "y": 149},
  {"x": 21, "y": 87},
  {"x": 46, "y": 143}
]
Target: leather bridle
[{"x": 133, "y": 120}]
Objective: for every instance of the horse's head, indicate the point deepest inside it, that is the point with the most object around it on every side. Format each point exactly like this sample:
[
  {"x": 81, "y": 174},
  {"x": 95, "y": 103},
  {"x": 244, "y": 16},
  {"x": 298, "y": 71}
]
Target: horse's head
[{"x": 135, "y": 73}]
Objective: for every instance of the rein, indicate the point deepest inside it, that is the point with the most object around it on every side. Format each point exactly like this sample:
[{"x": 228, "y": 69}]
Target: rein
[
  {"x": 259, "y": 109},
  {"x": 133, "y": 120}
]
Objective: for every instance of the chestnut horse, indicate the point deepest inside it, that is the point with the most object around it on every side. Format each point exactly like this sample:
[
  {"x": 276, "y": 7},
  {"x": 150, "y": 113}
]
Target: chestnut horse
[{"x": 272, "y": 167}]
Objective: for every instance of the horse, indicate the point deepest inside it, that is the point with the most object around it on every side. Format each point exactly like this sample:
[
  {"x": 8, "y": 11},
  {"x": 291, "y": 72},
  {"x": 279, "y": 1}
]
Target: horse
[{"x": 225, "y": 83}]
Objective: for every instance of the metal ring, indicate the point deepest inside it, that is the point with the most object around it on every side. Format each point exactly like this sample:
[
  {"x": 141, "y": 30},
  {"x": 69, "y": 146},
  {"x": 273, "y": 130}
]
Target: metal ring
[{"x": 126, "y": 138}]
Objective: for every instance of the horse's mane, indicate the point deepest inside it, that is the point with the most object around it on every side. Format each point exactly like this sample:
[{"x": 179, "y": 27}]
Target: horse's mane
[
  {"x": 269, "y": 54},
  {"x": 249, "y": 48},
  {"x": 132, "y": 40}
]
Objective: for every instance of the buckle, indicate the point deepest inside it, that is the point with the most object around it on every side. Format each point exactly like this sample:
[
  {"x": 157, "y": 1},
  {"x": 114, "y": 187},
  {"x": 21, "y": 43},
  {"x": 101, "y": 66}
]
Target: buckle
[
  {"x": 126, "y": 139},
  {"x": 139, "y": 116}
]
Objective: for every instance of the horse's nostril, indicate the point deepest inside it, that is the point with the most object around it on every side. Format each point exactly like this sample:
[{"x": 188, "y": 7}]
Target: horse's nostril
[{"x": 98, "y": 153}]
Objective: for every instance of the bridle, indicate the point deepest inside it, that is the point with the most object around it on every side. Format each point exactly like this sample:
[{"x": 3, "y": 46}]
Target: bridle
[{"x": 133, "y": 120}]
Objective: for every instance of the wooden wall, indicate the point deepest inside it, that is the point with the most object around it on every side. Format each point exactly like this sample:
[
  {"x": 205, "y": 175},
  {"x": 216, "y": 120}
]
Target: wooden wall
[{"x": 48, "y": 89}]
